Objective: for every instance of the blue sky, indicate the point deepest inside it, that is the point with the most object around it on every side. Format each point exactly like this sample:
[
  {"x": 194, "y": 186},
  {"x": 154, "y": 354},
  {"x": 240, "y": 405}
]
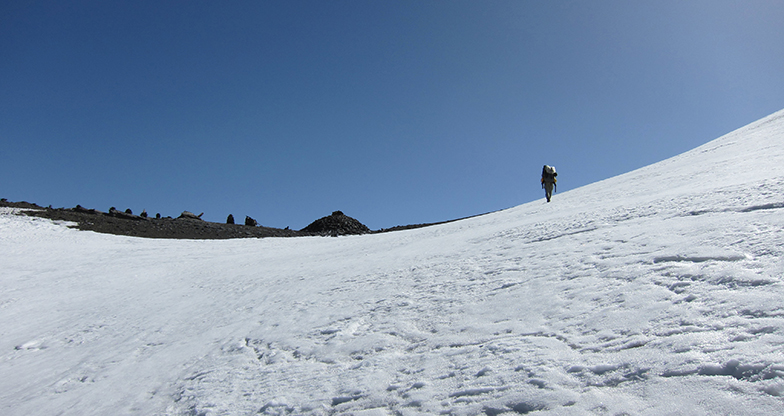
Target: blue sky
[{"x": 395, "y": 112}]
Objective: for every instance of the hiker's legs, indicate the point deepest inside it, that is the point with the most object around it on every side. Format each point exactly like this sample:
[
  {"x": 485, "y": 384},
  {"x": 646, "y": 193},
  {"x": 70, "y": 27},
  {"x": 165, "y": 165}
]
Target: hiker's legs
[{"x": 548, "y": 190}]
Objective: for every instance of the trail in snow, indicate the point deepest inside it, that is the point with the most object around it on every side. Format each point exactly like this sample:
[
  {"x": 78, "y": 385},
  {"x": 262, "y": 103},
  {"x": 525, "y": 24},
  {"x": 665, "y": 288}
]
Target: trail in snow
[{"x": 656, "y": 292}]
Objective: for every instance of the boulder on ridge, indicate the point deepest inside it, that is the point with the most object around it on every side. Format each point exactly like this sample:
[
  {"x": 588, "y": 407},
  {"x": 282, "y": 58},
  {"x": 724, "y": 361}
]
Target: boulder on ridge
[{"x": 336, "y": 224}]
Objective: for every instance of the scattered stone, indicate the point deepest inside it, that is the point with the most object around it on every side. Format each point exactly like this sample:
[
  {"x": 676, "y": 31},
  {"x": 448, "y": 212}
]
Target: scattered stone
[
  {"x": 114, "y": 212},
  {"x": 119, "y": 223},
  {"x": 132, "y": 225}
]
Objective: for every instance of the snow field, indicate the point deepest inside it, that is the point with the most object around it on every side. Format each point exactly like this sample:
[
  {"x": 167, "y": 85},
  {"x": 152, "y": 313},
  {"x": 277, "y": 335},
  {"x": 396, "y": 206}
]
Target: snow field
[{"x": 656, "y": 292}]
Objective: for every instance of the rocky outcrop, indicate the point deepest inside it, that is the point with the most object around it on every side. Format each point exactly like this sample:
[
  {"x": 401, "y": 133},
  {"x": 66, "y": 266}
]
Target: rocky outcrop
[
  {"x": 119, "y": 223},
  {"x": 84, "y": 210},
  {"x": 114, "y": 212},
  {"x": 190, "y": 216},
  {"x": 336, "y": 224}
]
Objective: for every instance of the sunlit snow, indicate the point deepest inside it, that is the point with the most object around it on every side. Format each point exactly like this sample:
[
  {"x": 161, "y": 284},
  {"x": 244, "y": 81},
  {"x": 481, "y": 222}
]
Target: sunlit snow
[{"x": 660, "y": 291}]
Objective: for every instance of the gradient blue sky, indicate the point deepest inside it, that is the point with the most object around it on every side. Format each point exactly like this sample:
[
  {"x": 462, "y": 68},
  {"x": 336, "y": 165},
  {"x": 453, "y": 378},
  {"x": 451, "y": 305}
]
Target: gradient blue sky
[{"x": 395, "y": 112}]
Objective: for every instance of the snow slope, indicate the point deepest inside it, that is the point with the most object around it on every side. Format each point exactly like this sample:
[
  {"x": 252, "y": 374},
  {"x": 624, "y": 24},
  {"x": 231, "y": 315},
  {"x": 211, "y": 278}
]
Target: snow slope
[{"x": 660, "y": 291}]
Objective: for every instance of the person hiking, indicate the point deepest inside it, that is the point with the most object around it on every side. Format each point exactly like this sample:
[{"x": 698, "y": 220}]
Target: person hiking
[{"x": 548, "y": 181}]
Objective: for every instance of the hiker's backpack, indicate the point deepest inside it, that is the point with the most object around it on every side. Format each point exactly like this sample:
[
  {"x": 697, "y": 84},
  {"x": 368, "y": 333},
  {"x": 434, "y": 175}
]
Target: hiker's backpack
[{"x": 548, "y": 172}]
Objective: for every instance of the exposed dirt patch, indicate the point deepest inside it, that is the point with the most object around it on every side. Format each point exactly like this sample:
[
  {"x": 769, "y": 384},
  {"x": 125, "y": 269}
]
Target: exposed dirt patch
[
  {"x": 120, "y": 223},
  {"x": 190, "y": 227}
]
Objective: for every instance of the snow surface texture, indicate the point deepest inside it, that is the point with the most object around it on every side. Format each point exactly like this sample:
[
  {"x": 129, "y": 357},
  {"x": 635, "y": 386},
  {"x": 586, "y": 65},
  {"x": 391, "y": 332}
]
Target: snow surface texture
[{"x": 656, "y": 292}]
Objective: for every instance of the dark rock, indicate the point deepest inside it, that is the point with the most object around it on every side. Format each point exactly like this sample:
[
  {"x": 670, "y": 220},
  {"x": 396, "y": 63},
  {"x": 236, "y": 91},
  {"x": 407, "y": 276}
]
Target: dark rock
[
  {"x": 230, "y": 219},
  {"x": 114, "y": 212},
  {"x": 128, "y": 211},
  {"x": 22, "y": 204},
  {"x": 336, "y": 224},
  {"x": 84, "y": 210},
  {"x": 119, "y": 223},
  {"x": 190, "y": 216}
]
